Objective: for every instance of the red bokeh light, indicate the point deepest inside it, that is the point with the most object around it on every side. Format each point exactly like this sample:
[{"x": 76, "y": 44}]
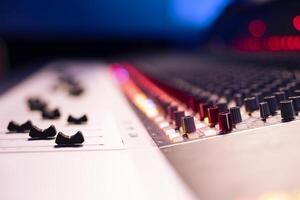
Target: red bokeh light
[
  {"x": 257, "y": 28},
  {"x": 296, "y": 22}
]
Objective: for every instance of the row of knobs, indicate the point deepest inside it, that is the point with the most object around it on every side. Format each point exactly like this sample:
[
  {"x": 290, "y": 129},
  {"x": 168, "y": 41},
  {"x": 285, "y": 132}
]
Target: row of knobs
[
  {"x": 289, "y": 108},
  {"x": 226, "y": 119}
]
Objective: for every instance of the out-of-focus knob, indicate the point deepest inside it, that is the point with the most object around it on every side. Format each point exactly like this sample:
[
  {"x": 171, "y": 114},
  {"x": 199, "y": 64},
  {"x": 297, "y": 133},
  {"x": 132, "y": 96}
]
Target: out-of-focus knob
[
  {"x": 203, "y": 110},
  {"x": 222, "y": 107},
  {"x": 171, "y": 110},
  {"x": 296, "y": 103},
  {"x": 258, "y": 96},
  {"x": 250, "y": 104},
  {"x": 280, "y": 96},
  {"x": 188, "y": 124},
  {"x": 272, "y": 104},
  {"x": 238, "y": 98},
  {"x": 225, "y": 122},
  {"x": 236, "y": 115},
  {"x": 213, "y": 116},
  {"x": 287, "y": 110},
  {"x": 264, "y": 110},
  {"x": 177, "y": 118}
]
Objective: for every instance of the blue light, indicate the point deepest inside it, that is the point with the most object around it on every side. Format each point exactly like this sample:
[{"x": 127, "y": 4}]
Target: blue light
[{"x": 197, "y": 13}]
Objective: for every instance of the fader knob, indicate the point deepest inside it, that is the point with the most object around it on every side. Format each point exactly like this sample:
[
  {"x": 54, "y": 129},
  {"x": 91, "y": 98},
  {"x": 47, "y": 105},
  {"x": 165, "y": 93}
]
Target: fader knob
[
  {"x": 250, "y": 104},
  {"x": 188, "y": 124},
  {"x": 272, "y": 104},
  {"x": 236, "y": 115},
  {"x": 225, "y": 122},
  {"x": 177, "y": 118},
  {"x": 287, "y": 110},
  {"x": 213, "y": 116},
  {"x": 264, "y": 110}
]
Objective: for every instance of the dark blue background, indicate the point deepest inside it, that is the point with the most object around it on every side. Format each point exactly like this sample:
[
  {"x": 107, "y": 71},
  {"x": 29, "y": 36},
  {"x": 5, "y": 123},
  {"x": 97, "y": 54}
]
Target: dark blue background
[{"x": 109, "y": 18}]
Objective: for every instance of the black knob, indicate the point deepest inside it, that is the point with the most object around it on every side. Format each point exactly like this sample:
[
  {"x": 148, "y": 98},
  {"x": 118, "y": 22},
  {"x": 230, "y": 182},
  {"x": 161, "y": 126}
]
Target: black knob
[
  {"x": 15, "y": 127},
  {"x": 38, "y": 133},
  {"x": 79, "y": 120},
  {"x": 177, "y": 118},
  {"x": 222, "y": 106},
  {"x": 36, "y": 104},
  {"x": 258, "y": 96},
  {"x": 264, "y": 110},
  {"x": 225, "y": 122},
  {"x": 272, "y": 104},
  {"x": 76, "y": 90},
  {"x": 51, "y": 114},
  {"x": 236, "y": 115},
  {"x": 287, "y": 110},
  {"x": 238, "y": 98},
  {"x": 65, "y": 140},
  {"x": 171, "y": 109},
  {"x": 296, "y": 103},
  {"x": 188, "y": 124},
  {"x": 280, "y": 96},
  {"x": 297, "y": 92},
  {"x": 164, "y": 106},
  {"x": 250, "y": 104}
]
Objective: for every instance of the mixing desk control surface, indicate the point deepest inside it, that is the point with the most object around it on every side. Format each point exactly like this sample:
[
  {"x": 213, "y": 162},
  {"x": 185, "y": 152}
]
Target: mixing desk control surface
[
  {"x": 67, "y": 132},
  {"x": 84, "y": 130}
]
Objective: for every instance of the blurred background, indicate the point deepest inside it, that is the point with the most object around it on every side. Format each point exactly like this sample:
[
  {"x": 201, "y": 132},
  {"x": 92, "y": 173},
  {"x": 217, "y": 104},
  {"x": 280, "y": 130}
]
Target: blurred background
[{"x": 35, "y": 30}]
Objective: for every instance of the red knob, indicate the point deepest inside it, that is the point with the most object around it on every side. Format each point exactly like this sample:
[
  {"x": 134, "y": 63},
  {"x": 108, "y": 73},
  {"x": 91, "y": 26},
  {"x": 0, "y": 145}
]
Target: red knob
[
  {"x": 213, "y": 116},
  {"x": 225, "y": 122}
]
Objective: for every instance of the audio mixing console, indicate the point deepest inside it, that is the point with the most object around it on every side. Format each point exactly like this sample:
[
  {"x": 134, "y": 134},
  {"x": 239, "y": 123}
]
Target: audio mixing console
[{"x": 88, "y": 130}]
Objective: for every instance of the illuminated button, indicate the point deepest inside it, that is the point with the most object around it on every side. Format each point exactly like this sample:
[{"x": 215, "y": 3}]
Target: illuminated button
[
  {"x": 177, "y": 118},
  {"x": 188, "y": 124},
  {"x": 225, "y": 122},
  {"x": 287, "y": 111},
  {"x": 193, "y": 135},
  {"x": 163, "y": 124},
  {"x": 213, "y": 116},
  {"x": 210, "y": 132}
]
